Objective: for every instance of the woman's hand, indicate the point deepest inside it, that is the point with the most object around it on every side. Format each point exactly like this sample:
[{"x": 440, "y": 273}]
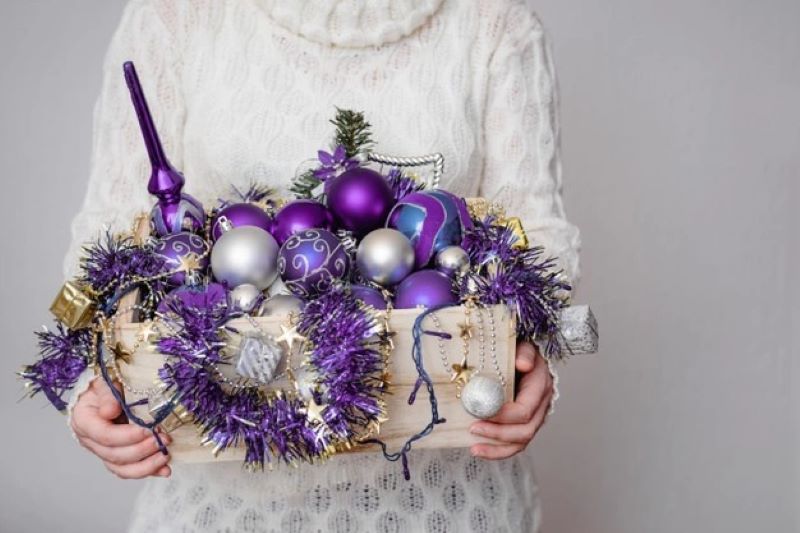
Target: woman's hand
[
  {"x": 128, "y": 451},
  {"x": 517, "y": 422}
]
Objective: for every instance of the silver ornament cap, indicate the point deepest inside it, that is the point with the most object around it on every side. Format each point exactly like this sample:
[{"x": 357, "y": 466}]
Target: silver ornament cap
[
  {"x": 452, "y": 260},
  {"x": 385, "y": 256},
  {"x": 482, "y": 396},
  {"x": 245, "y": 297}
]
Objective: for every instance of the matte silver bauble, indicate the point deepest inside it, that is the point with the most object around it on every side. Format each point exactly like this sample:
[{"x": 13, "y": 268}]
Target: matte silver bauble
[
  {"x": 246, "y": 254},
  {"x": 258, "y": 357},
  {"x": 452, "y": 260},
  {"x": 245, "y": 297},
  {"x": 482, "y": 396},
  {"x": 385, "y": 256},
  {"x": 281, "y": 305}
]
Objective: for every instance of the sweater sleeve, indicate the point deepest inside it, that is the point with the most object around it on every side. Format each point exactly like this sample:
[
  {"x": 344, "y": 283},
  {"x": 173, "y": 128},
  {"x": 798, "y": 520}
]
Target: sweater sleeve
[
  {"x": 522, "y": 170},
  {"x": 149, "y": 35}
]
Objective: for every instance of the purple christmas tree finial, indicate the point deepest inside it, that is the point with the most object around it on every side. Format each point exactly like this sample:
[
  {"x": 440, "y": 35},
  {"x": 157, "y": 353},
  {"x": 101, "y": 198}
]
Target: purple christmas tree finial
[{"x": 175, "y": 210}]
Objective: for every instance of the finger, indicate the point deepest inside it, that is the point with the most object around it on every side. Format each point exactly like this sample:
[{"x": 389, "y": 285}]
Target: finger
[
  {"x": 147, "y": 467},
  {"x": 164, "y": 471},
  {"x": 513, "y": 433},
  {"x": 122, "y": 455},
  {"x": 526, "y": 357},
  {"x": 496, "y": 451},
  {"x": 109, "y": 407},
  {"x": 532, "y": 388},
  {"x": 106, "y": 433}
]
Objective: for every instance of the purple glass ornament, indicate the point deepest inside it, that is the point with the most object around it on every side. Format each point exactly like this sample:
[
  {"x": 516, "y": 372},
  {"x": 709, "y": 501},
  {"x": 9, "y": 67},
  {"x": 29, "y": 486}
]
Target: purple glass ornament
[
  {"x": 242, "y": 214},
  {"x": 360, "y": 199},
  {"x": 175, "y": 210},
  {"x": 426, "y": 288},
  {"x": 176, "y": 248},
  {"x": 369, "y": 296},
  {"x": 432, "y": 220},
  {"x": 300, "y": 215},
  {"x": 310, "y": 261}
]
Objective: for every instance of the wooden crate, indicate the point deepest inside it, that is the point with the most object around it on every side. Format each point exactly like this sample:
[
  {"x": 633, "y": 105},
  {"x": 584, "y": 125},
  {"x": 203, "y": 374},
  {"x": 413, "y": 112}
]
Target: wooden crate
[{"x": 404, "y": 420}]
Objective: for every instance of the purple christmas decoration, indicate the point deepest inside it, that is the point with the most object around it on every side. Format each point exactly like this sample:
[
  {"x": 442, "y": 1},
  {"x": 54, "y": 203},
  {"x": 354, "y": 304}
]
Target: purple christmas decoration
[
  {"x": 360, "y": 199},
  {"x": 520, "y": 278},
  {"x": 241, "y": 214},
  {"x": 311, "y": 261},
  {"x": 369, "y": 296},
  {"x": 277, "y": 429},
  {"x": 175, "y": 210},
  {"x": 300, "y": 215},
  {"x": 331, "y": 165},
  {"x": 431, "y": 220},
  {"x": 110, "y": 262},
  {"x": 401, "y": 184},
  {"x": 64, "y": 356},
  {"x": 176, "y": 249},
  {"x": 426, "y": 288}
]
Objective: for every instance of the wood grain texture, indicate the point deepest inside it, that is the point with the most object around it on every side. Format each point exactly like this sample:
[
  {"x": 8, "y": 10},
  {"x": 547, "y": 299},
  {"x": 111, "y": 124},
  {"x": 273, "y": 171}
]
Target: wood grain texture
[{"x": 404, "y": 419}]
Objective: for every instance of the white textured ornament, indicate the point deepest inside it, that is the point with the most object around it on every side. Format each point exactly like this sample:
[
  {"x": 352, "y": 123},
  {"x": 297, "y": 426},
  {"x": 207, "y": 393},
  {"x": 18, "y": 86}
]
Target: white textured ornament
[
  {"x": 259, "y": 356},
  {"x": 578, "y": 328},
  {"x": 482, "y": 396}
]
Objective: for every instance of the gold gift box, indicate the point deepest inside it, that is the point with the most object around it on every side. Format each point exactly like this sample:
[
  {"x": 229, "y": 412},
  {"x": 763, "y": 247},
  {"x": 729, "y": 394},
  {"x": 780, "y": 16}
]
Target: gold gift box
[{"x": 73, "y": 306}]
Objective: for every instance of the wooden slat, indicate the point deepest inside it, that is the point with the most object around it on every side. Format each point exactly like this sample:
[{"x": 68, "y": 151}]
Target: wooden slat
[{"x": 404, "y": 420}]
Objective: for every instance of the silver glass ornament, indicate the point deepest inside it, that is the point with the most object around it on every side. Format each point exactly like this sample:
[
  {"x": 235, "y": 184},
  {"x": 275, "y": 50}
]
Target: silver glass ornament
[
  {"x": 258, "y": 357},
  {"x": 483, "y": 396},
  {"x": 245, "y": 297},
  {"x": 385, "y": 256},
  {"x": 281, "y": 305},
  {"x": 452, "y": 260},
  {"x": 246, "y": 254}
]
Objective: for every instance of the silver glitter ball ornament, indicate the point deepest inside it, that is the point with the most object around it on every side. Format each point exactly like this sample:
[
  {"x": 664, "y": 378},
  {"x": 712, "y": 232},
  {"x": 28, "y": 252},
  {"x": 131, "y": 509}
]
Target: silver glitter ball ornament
[
  {"x": 452, "y": 260},
  {"x": 281, "y": 305},
  {"x": 385, "y": 256},
  {"x": 245, "y": 255},
  {"x": 258, "y": 358},
  {"x": 245, "y": 297},
  {"x": 482, "y": 396}
]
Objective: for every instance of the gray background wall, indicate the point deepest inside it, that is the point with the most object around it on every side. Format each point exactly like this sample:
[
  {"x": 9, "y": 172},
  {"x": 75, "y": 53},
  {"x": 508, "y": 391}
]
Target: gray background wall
[{"x": 682, "y": 152}]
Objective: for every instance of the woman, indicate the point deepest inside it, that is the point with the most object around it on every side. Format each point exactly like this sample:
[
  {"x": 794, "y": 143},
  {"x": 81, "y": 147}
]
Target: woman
[{"x": 241, "y": 91}]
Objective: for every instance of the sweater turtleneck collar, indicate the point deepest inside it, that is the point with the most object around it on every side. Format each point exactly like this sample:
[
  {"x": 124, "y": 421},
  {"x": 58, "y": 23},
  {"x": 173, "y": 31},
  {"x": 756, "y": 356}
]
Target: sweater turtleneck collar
[{"x": 351, "y": 23}]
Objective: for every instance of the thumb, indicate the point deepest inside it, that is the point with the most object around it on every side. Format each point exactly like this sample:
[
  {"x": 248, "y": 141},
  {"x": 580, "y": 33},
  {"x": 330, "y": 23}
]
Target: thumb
[
  {"x": 107, "y": 405},
  {"x": 526, "y": 357}
]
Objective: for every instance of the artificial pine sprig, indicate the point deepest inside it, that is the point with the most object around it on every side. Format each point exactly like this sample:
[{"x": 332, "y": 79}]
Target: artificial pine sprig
[
  {"x": 305, "y": 185},
  {"x": 352, "y": 131}
]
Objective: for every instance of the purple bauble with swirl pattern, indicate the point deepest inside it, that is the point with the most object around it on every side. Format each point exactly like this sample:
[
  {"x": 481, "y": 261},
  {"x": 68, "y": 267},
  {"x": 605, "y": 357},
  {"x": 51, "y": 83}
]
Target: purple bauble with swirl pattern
[
  {"x": 175, "y": 248},
  {"x": 300, "y": 215},
  {"x": 432, "y": 220},
  {"x": 426, "y": 288},
  {"x": 242, "y": 214},
  {"x": 311, "y": 260},
  {"x": 360, "y": 199}
]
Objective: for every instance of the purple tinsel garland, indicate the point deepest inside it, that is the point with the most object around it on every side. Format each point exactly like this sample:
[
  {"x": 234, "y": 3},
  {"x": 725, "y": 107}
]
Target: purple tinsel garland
[
  {"x": 63, "y": 356},
  {"x": 402, "y": 185},
  {"x": 520, "y": 278},
  {"x": 276, "y": 428}
]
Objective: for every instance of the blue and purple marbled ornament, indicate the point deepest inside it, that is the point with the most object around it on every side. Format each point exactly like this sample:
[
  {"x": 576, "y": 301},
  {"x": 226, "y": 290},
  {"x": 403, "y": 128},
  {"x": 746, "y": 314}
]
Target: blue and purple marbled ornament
[
  {"x": 310, "y": 261},
  {"x": 300, "y": 215},
  {"x": 175, "y": 249},
  {"x": 432, "y": 220},
  {"x": 241, "y": 214},
  {"x": 360, "y": 199},
  {"x": 426, "y": 288}
]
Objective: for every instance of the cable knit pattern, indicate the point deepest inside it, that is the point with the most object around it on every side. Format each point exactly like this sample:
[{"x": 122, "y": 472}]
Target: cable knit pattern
[{"x": 242, "y": 90}]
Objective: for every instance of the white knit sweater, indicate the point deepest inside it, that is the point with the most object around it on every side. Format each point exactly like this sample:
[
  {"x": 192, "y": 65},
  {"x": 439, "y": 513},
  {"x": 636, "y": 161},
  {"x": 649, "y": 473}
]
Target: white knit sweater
[{"x": 242, "y": 90}]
